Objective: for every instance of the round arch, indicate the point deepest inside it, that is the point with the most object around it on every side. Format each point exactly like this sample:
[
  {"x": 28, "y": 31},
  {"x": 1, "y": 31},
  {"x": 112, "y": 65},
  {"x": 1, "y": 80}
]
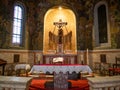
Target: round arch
[{"x": 54, "y": 15}]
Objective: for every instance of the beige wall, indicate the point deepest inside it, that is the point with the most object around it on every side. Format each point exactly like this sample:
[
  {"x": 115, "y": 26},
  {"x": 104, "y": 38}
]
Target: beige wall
[
  {"x": 33, "y": 57},
  {"x": 26, "y": 56},
  {"x": 94, "y": 56}
]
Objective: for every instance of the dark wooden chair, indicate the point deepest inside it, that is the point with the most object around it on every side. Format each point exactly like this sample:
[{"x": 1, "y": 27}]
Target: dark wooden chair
[
  {"x": 117, "y": 66},
  {"x": 104, "y": 68},
  {"x": 101, "y": 68},
  {"x": 117, "y": 61},
  {"x": 111, "y": 71},
  {"x": 97, "y": 67},
  {"x": 3, "y": 63},
  {"x": 115, "y": 69}
]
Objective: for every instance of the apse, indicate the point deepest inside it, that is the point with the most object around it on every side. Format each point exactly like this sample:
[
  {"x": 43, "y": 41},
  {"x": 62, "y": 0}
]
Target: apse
[{"x": 59, "y": 31}]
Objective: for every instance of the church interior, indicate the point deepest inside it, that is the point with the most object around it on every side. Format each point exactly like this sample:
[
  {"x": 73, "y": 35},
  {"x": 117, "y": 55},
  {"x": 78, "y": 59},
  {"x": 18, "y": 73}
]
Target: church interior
[{"x": 60, "y": 44}]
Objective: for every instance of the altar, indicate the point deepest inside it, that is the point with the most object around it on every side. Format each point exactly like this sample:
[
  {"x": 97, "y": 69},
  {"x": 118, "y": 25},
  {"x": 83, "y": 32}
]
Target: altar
[
  {"x": 61, "y": 73},
  {"x": 60, "y": 68}
]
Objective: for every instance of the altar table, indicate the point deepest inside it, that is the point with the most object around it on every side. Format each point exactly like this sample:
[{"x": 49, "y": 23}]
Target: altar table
[{"x": 60, "y": 68}]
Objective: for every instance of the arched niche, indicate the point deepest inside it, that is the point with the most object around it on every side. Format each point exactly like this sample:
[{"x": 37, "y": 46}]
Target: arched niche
[{"x": 52, "y": 16}]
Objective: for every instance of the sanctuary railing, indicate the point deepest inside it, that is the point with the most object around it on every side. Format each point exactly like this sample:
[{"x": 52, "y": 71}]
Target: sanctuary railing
[
  {"x": 95, "y": 83},
  {"x": 104, "y": 83},
  {"x": 14, "y": 83}
]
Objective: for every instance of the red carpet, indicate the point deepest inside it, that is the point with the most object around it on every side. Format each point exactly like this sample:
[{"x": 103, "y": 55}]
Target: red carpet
[
  {"x": 79, "y": 85},
  {"x": 38, "y": 84}
]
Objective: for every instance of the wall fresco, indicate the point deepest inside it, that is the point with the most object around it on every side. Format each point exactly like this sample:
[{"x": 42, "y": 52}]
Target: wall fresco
[{"x": 35, "y": 11}]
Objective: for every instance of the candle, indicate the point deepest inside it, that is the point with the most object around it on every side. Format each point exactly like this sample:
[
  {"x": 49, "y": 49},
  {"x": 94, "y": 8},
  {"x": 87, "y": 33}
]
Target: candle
[
  {"x": 82, "y": 58},
  {"x": 87, "y": 56}
]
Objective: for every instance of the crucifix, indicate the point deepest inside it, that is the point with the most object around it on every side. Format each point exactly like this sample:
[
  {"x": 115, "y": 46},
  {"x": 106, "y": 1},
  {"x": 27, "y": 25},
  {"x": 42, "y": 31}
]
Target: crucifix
[{"x": 60, "y": 25}]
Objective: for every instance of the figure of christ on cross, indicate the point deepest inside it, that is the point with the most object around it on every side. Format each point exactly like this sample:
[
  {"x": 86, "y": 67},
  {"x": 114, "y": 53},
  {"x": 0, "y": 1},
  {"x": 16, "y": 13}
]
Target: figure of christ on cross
[{"x": 60, "y": 25}]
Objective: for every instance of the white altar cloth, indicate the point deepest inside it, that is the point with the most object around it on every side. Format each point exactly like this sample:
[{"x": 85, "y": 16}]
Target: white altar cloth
[
  {"x": 22, "y": 66},
  {"x": 60, "y": 68},
  {"x": 58, "y": 59}
]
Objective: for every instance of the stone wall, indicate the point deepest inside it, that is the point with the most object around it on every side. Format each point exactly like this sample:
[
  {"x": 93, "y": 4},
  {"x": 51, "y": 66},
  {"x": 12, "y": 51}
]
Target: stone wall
[
  {"x": 91, "y": 56},
  {"x": 25, "y": 56},
  {"x": 35, "y": 57}
]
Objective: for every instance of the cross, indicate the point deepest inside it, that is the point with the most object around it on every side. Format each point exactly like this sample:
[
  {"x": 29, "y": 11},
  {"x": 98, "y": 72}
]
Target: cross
[{"x": 60, "y": 24}]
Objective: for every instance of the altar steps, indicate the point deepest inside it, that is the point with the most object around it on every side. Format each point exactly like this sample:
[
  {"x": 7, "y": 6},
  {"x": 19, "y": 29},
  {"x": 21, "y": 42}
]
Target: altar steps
[{"x": 38, "y": 84}]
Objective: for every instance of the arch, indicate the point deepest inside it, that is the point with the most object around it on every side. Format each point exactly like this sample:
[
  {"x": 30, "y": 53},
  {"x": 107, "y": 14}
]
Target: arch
[
  {"x": 18, "y": 24},
  {"x": 53, "y": 17},
  {"x": 96, "y": 31}
]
